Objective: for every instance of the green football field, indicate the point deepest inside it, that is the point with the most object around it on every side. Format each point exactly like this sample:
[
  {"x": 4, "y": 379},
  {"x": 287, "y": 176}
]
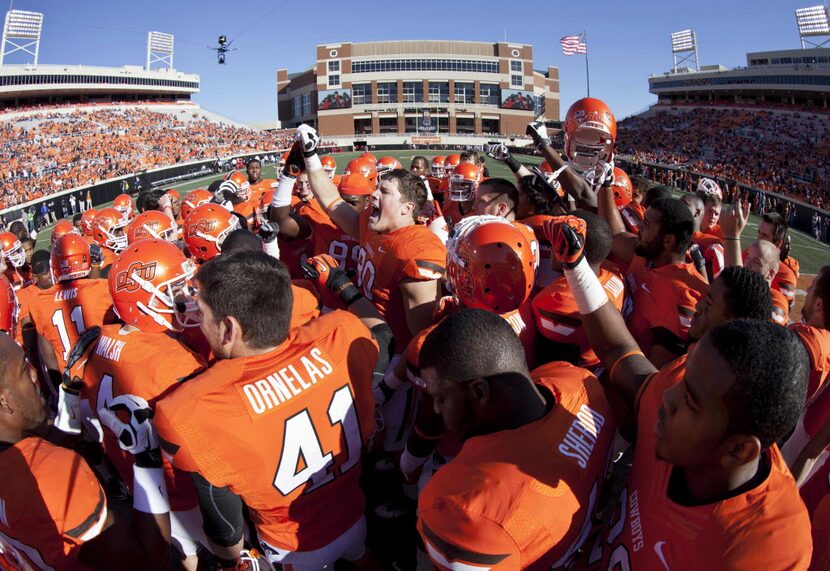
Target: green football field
[{"x": 811, "y": 254}]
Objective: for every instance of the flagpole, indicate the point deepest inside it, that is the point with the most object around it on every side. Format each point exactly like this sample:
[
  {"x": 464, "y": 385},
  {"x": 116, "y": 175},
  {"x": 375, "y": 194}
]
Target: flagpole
[{"x": 587, "y": 73}]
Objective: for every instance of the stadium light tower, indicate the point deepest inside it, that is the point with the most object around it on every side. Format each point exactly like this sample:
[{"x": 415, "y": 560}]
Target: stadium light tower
[
  {"x": 21, "y": 33},
  {"x": 812, "y": 23},
  {"x": 684, "y": 48},
  {"x": 160, "y": 50}
]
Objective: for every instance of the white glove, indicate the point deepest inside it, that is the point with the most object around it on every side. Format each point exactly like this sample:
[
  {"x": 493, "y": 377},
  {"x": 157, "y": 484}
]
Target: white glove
[
  {"x": 308, "y": 138},
  {"x": 539, "y": 133},
  {"x": 68, "y": 419},
  {"x": 137, "y": 435},
  {"x": 498, "y": 152}
]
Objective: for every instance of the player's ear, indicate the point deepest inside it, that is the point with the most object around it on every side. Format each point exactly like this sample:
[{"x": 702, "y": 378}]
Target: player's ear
[
  {"x": 230, "y": 330},
  {"x": 5, "y": 406},
  {"x": 739, "y": 450},
  {"x": 480, "y": 390}
]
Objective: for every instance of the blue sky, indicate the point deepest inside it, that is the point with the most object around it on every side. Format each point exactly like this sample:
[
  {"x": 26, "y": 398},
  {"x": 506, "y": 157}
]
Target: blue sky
[{"x": 627, "y": 40}]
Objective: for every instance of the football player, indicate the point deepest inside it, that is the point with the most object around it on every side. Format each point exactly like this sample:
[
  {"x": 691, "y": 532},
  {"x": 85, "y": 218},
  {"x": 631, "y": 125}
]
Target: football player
[
  {"x": 205, "y": 228},
  {"x": 299, "y": 400},
  {"x": 469, "y": 513},
  {"x": 663, "y": 287},
  {"x": 590, "y": 137},
  {"x": 712, "y": 196},
  {"x": 193, "y": 199},
  {"x": 711, "y": 247},
  {"x": 75, "y": 303},
  {"x": 773, "y": 228},
  {"x": 13, "y": 261},
  {"x": 152, "y": 224},
  {"x": 706, "y": 467},
  {"x": 234, "y": 194},
  {"x": 55, "y": 513},
  {"x": 419, "y": 166},
  {"x": 461, "y": 192},
  {"x": 108, "y": 232},
  {"x": 137, "y": 357},
  {"x": 259, "y": 185},
  {"x": 123, "y": 204}
]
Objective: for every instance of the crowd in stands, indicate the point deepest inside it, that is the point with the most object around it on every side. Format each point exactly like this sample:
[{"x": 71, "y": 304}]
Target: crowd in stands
[
  {"x": 50, "y": 152},
  {"x": 786, "y": 153}
]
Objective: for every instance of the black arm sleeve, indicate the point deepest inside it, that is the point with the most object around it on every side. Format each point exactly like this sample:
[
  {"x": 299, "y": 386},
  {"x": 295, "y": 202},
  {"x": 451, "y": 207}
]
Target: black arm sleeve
[
  {"x": 382, "y": 333},
  {"x": 222, "y": 511}
]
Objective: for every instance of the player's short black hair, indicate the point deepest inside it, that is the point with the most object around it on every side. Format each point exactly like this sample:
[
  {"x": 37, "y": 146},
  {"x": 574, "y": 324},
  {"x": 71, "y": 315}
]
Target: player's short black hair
[
  {"x": 747, "y": 293},
  {"x": 598, "y": 237},
  {"x": 411, "y": 187},
  {"x": 420, "y": 159},
  {"x": 77, "y": 217},
  {"x": 474, "y": 343},
  {"x": 675, "y": 220},
  {"x": 149, "y": 200},
  {"x": 502, "y": 186},
  {"x": 253, "y": 160},
  {"x": 655, "y": 193},
  {"x": 255, "y": 289},
  {"x": 40, "y": 261},
  {"x": 771, "y": 368},
  {"x": 241, "y": 240}
]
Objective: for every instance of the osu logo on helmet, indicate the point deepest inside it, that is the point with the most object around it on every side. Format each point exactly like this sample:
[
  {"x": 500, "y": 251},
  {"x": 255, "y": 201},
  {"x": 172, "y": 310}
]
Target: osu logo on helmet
[
  {"x": 204, "y": 225},
  {"x": 124, "y": 280}
]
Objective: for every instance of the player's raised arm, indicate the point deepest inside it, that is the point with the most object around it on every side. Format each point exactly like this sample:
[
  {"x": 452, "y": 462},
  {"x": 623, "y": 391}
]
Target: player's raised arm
[
  {"x": 603, "y": 323},
  {"x": 321, "y": 185},
  {"x": 573, "y": 183}
]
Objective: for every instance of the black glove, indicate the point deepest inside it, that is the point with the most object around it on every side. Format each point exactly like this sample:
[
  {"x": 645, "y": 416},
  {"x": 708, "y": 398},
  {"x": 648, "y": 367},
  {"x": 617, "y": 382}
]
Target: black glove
[
  {"x": 72, "y": 378},
  {"x": 294, "y": 164},
  {"x": 326, "y": 272},
  {"x": 96, "y": 256},
  {"x": 269, "y": 231}
]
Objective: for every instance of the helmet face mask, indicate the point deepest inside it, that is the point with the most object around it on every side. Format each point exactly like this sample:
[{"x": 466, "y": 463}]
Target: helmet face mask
[
  {"x": 462, "y": 189},
  {"x": 16, "y": 255},
  {"x": 116, "y": 237}
]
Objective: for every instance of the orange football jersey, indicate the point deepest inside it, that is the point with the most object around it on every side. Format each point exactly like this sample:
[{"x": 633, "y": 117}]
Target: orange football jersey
[
  {"x": 764, "y": 528},
  {"x": 786, "y": 280},
  {"x": 50, "y": 505},
  {"x": 499, "y": 505},
  {"x": 385, "y": 260},
  {"x": 558, "y": 319},
  {"x": 715, "y": 231},
  {"x": 67, "y": 309},
  {"x": 661, "y": 298},
  {"x": 23, "y": 303},
  {"x": 147, "y": 365},
  {"x": 780, "y": 307},
  {"x": 294, "y": 252},
  {"x": 452, "y": 212},
  {"x": 19, "y": 278},
  {"x": 712, "y": 249},
  {"x": 293, "y": 424},
  {"x": 260, "y": 188},
  {"x": 328, "y": 238}
]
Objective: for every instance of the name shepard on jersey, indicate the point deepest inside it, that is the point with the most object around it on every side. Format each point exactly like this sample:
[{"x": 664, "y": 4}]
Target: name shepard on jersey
[
  {"x": 582, "y": 435},
  {"x": 288, "y": 382}
]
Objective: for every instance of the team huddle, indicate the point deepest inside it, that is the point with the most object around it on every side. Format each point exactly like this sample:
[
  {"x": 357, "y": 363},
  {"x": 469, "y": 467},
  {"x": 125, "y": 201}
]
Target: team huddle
[{"x": 567, "y": 370}]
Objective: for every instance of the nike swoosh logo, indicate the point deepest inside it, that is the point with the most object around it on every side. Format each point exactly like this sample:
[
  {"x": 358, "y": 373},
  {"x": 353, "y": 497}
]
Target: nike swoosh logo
[{"x": 658, "y": 549}]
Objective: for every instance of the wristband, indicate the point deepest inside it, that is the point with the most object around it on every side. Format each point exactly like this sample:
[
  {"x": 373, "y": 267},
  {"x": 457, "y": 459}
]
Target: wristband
[
  {"x": 586, "y": 288},
  {"x": 282, "y": 194},
  {"x": 410, "y": 463},
  {"x": 512, "y": 163},
  {"x": 312, "y": 162},
  {"x": 349, "y": 293},
  {"x": 68, "y": 419},
  {"x": 150, "y": 491},
  {"x": 730, "y": 238},
  {"x": 272, "y": 248}
]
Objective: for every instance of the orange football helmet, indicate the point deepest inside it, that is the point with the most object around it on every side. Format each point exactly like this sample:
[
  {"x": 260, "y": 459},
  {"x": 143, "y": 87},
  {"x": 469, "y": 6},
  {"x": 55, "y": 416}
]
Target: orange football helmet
[
  {"x": 124, "y": 204},
  {"x": 355, "y": 184},
  {"x": 622, "y": 188},
  {"x": 8, "y": 307},
  {"x": 369, "y": 157},
  {"x": 12, "y": 249},
  {"x": 206, "y": 228},
  {"x": 86, "y": 220},
  {"x": 386, "y": 164},
  {"x": 450, "y": 163},
  {"x": 463, "y": 182},
  {"x": 70, "y": 258},
  {"x": 108, "y": 229},
  {"x": 329, "y": 165},
  {"x": 193, "y": 199},
  {"x": 364, "y": 167},
  {"x": 438, "y": 166},
  {"x": 590, "y": 134},
  {"x": 151, "y": 224},
  {"x": 490, "y": 264},
  {"x": 236, "y": 183},
  {"x": 63, "y": 227},
  {"x": 151, "y": 288}
]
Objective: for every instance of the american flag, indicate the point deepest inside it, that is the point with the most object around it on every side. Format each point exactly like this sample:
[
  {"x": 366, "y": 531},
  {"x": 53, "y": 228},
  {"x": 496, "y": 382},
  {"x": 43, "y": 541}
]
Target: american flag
[{"x": 574, "y": 45}]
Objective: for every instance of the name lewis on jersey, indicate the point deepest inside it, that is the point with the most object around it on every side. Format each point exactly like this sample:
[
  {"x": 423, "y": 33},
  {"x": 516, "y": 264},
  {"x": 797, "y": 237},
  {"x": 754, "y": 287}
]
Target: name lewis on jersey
[
  {"x": 582, "y": 435},
  {"x": 66, "y": 294},
  {"x": 286, "y": 383}
]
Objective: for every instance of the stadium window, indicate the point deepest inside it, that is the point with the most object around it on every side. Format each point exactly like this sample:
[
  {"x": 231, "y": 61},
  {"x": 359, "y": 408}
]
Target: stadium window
[
  {"x": 464, "y": 92},
  {"x": 387, "y": 92},
  {"x": 334, "y": 65},
  {"x": 516, "y": 81},
  {"x": 413, "y": 91},
  {"x": 489, "y": 94},
  {"x": 516, "y": 66},
  {"x": 298, "y": 106},
  {"x": 786, "y": 60},
  {"x": 334, "y": 80},
  {"x": 307, "y": 104}
]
